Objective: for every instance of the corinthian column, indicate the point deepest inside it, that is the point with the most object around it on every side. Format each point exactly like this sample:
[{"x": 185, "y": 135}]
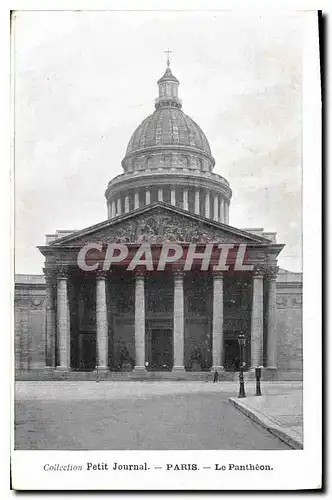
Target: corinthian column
[
  {"x": 50, "y": 317},
  {"x": 119, "y": 206},
  {"x": 113, "y": 209},
  {"x": 62, "y": 319},
  {"x": 185, "y": 199},
  {"x": 160, "y": 194},
  {"x": 221, "y": 213},
  {"x": 226, "y": 207},
  {"x": 139, "y": 322},
  {"x": 126, "y": 202},
  {"x": 271, "y": 318},
  {"x": 257, "y": 318},
  {"x": 217, "y": 322},
  {"x": 173, "y": 197},
  {"x": 207, "y": 204},
  {"x": 101, "y": 321},
  {"x": 197, "y": 202},
  {"x": 178, "y": 330},
  {"x": 215, "y": 208},
  {"x": 136, "y": 200}
]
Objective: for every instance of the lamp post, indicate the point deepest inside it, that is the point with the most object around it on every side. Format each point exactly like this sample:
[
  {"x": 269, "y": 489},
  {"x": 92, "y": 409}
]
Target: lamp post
[
  {"x": 241, "y": 340},
  {"x": 258, "y": 373}
]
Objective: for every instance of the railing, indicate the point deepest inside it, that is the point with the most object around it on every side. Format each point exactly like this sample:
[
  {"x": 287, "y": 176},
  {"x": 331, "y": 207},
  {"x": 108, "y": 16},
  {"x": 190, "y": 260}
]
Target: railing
[{"x": 29, "y": 279}]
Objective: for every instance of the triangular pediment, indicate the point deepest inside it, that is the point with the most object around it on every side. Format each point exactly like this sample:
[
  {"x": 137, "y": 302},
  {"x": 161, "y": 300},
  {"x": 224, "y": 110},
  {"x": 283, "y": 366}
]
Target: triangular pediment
[{"x": 159, "y": 223}]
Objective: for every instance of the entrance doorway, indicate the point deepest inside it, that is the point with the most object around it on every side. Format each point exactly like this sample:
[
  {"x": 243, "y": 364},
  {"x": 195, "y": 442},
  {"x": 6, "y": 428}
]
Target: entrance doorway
[
  {"x": 87, "y": 351},
  {"x": 232, "y": 355},
  {"x": 161, "y": 351}
]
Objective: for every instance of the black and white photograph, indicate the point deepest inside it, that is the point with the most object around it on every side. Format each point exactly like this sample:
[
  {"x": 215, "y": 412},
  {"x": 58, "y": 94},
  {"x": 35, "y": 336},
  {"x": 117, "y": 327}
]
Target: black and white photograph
[{"x": 159, "y": 220}]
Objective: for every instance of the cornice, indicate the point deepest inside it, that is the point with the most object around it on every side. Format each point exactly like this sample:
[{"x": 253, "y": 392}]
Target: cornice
[
  {"x": 205, "y": 180},
  {"x": 167, "y": 148}
]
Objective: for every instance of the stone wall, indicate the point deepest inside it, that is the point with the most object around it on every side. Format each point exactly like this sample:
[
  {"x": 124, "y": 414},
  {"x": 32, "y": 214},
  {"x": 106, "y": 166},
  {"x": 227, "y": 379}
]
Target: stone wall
[
  {"x": 30, "y": 324},
  {"x": 289, "y": 326}
]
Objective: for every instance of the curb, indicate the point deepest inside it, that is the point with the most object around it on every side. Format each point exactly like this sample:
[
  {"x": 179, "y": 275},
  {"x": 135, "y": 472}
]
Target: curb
[{"x": 268, "y": 424}]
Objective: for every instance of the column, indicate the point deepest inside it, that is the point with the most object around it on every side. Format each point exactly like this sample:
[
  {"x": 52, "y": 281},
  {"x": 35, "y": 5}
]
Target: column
[
  {"x": 207, "y": 204},
  {"x": 178, "y": 327},
  {"x": 24, "y": 340},
  {"x": 147, "y": 197},
  {"x": 226, "y": 209},
  {"x": 50, "y": 317},
  {"x": 271, "y": 318},
  {"x": 113, "y": 209},
  {"x": 173, "y": 196},
  {"x": 185, "y": 199},
  {"x": 215, "y": 208},
  {"x": 257, "y": 318},
  {"x": 221, "y": 208},
  {"x": 108, "y": 210},
  {"x": 139, "y": 322},
  {"x": 197, "y": 202},
  {"x": 217, "y": 322},
  {"x": 119, "y": 207},
  {"x": 136, "y": 200},
  {"x": 101, "y": 321},
  {"x": 160, "y": 194},
  {"x": 126, "y": 204},
  {"x": 62, "y": 319}
]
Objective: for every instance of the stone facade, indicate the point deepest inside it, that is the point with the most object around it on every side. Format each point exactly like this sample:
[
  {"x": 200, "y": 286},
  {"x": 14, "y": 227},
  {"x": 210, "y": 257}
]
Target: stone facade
[
  {"x": 177, "y": 322},
  {"x": 31, "y": 311}
]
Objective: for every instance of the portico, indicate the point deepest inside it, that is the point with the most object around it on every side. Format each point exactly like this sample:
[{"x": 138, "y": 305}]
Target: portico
[{"x": 149, "y": 320}]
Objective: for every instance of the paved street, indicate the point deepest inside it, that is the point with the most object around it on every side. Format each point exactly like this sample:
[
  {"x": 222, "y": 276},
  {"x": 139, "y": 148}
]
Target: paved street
[{"x": 134, "y": 415}]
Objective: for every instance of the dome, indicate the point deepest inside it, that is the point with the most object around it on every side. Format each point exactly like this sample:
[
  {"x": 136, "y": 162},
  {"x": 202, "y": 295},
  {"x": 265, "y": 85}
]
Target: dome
[
  {"x": 168, "y": 160},
  {"x": 168, "y": 126}
]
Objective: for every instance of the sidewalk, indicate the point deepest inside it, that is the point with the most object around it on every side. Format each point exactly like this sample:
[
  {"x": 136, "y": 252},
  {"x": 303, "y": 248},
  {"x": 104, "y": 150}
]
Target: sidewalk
[{"x": 280, "y": 413}]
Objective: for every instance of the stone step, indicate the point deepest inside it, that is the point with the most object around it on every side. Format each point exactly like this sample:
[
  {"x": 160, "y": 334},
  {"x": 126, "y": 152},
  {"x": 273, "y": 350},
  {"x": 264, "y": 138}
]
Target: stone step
[{"x": 267, "y": 375}]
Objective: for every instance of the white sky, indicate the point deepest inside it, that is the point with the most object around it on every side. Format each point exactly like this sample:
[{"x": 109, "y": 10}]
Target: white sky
[{"x": 86, "y": 80}]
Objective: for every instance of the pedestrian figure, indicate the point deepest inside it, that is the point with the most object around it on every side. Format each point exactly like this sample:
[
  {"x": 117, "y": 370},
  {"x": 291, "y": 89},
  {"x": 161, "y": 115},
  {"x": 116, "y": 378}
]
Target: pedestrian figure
[{"x": 215, "y": 376}]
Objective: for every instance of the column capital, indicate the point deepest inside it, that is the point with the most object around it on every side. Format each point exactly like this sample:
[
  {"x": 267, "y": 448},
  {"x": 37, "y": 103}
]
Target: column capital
[
  {"x": 50, "y": 273},
  {"x": 101, "y": 274},
  {"x": 258, "y": 271},
  {"x": 62, "y": 272},
  {"x": 271, "y": 273},
  {"x": 178, "y": 274},
  {"x": 217, "y": 275},
  {"x": 139, "y": 273}
]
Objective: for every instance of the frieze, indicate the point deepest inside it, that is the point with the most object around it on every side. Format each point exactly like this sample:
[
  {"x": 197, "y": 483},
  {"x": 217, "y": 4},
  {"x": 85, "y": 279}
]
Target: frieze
[
  {"x": 30, "y": 303},
  {"x": 285, "y": 301},
  {"x": 159, "y": 228}
]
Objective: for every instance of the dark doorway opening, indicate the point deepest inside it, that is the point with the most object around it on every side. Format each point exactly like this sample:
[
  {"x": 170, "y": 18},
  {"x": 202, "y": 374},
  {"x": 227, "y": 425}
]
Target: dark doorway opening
[
  {"x": 161, "y": 353},
  {"x": 87, "y": 351},
  {"x": 232, "y": 355}
]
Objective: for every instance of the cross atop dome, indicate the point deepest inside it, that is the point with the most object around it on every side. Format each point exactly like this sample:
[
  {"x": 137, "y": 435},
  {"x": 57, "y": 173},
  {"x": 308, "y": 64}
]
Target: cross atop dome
[
  {"x": 168, "y": 52},
  {"x": 168, "y": 87}
]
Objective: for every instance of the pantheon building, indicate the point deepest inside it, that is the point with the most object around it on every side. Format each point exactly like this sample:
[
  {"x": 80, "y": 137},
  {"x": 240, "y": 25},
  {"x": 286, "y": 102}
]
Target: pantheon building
[{"x": 173, "y": 323}]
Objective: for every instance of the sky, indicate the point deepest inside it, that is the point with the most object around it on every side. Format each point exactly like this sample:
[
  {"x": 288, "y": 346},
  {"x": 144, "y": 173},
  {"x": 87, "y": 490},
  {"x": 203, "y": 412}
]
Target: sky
[{"x": 85, "y": 80}]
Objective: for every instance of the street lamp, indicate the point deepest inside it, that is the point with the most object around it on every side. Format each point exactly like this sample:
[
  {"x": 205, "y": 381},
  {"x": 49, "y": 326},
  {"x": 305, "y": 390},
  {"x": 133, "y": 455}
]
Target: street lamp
[{"x": 241, "y": 340}]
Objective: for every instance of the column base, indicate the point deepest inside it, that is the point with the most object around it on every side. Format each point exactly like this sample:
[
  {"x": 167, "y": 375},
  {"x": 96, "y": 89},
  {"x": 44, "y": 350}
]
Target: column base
[
  {"x": 217, "y": 368},
  {"x": 62, "y": 369},
  {"x": 101, "y": 369},
  {"x": 178, "y": 369},
  {"x": 49, "y": 369},
  {"x": 139, "y": 369}
]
